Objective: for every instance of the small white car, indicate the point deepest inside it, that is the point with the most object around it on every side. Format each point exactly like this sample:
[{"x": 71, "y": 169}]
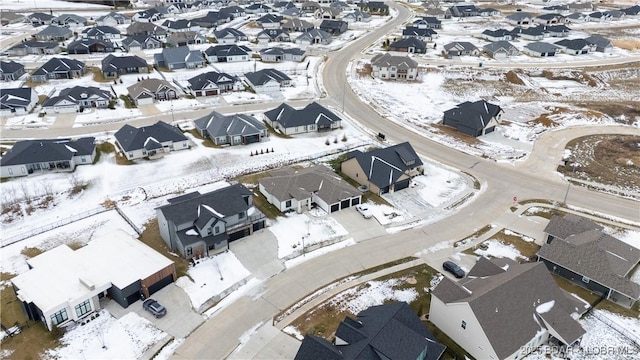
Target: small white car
[{"x": 364, "y": 210}]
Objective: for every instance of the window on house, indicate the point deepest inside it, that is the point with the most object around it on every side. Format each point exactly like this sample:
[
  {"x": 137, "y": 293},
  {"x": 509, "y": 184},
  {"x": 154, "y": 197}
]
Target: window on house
[
  {"x": 83, "y": 158},
  {"x": 287, "y": 203},
  {"x": 209, "y": 231},
  {"x": 10, "y": 171},
  {"x": 184, "y": 145},
  {"x": 59, "y": 317},
  {"x": 241, "y": 215},
  {"x": 585, "y": 279},
  {"x": 83, "y": 308},
  {"x": 217, "y": 230},
  {"x": 464, "y": 324},
  {"x": 189, "y": 251},
  {"x": 130, "y": 155}
]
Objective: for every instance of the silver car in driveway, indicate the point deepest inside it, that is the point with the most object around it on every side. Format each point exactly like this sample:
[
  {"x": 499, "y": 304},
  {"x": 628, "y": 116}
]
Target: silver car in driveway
[{"x": 154, "y": 308}]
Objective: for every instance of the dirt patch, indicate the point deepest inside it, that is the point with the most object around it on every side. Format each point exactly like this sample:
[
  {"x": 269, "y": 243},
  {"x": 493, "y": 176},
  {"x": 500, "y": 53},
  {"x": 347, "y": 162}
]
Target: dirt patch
[
  {"x": 624, "y": 112},
  {"x": 605, "y": 159},
  {"x": 365, "y": 71},
  {"x": 627, "y": 44},
  {"x": 514, "y": 78}
]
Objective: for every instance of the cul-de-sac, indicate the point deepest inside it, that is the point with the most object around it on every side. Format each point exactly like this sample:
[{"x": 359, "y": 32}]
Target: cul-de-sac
[{"x": 320, "y": 180}]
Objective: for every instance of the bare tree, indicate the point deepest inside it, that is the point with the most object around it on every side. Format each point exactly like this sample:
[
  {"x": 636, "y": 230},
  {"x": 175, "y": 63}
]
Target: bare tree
[
  {"x": 77, "y": 184},
  {"x": 26, "y": 192},
  {"x": 47, "y": 187}
]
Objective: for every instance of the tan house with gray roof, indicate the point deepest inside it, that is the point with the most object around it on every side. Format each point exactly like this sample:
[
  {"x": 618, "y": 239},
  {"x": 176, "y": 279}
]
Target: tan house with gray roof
[
  {"x": 290, "y": 189},
  {"x": 389, "y": 67},
  {"x": 578, "y": 250},
  {"x": 506, "y": 310},
  {"x": 145, "y": 92}
]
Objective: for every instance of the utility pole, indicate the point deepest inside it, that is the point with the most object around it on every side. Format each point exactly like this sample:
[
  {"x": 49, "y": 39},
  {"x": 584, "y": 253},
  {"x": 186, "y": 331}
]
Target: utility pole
[{"x": 566, "y": 194}]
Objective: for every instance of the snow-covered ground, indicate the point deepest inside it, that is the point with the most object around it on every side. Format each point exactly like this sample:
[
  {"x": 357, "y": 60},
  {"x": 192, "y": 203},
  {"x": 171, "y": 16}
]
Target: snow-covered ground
[
  {"x": 372, "y": 293},
  {"x": 497, "y": 249}
]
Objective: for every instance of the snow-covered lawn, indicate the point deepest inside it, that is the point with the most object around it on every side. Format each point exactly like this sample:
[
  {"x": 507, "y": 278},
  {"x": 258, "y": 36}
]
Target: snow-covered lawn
[
  {"x": 372, "y": 293},
  {"x": 211, "y": 276},
  {"x": 108, "y": 338},
  {"x": 497, "y": 249},
  {"x": 295, "y": 229}
]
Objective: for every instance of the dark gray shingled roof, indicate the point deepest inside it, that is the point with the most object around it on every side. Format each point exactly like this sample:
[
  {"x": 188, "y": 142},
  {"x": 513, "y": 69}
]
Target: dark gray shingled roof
[
  {"x": 226, "y": 201},
  {"x": 59, "y": 65},
  {"x": 131, "y": 138},
  {"x": 15, "y": 97},
  {"x": 227, "y": 50},
  {"x": 563, "y": 227},
  {"x": 9, "y": 67},
  {"x": 217, "y": 124},
  {"x": 313, "y": 113},
  {"x": 263, "y": 76},
  {"x": 475, "y": 115},
  {"x": 509, "y": 325},
  {"x": 35, "y": 151},
  {"x": 113, "y": 63},
  {"x": 390, "y": 331},
  {"x": 385, "y": 166},
  {"x": 199, "y": 82}
]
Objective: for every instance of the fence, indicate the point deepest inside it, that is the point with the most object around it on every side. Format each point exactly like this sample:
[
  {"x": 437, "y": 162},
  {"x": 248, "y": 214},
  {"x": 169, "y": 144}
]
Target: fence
[
  {"x": 617, "y": 327},
  {"x": 313, "y": 247},
  {"x": 129, "y": 221}
]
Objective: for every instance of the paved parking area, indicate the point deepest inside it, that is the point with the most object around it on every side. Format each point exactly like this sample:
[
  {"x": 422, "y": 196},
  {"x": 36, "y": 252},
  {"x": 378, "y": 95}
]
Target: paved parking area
[
  {"x": 409, "y": 201},
  {"x": 358, "y": 227},
  {"x": 180, "y": 321}
]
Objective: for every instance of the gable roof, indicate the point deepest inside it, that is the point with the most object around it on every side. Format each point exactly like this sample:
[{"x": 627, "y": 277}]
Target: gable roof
[
  {"x": 499, "y": 45},
  {"x": 11, "y": 98},
  {"x": 562, "y": 227},
  {"x": 332, "y": 24},
  {"x": 35, "y": 151},
  {"x": 217, "y": 124},
  {"x": 145, "y": 27},
  {"x": 86, "y": 44},
  {"x": 509, "y": 325},
  {"x": 386, "y": 60},
  {"x": 226, "y": 201},
  {"x": 598, "y": 41},
  {"x": 460, "y": 46},
  {"x": 314, "y": 33},
  {"x": 409, "y": 42},
  {"x": 131, "y": 138},
  {"x": 416, "y": 31},
  {"x": 573, "y": 44},
  {"x": 542, "y": 47},
  {"x": 297, "y": 23},
  {"x": 179, "y": 55},
  {"x": 201, "y": 81},
  {"x": 227, "y": 50},
  {"x": 272, "y": 34},
  {"x": 269, "y": 19},
  {"x": 313, "y": 113},
  {"x": 113, "y": 63},
  {"x": 385, "y": 166},
  {"x": 55, "y": 31},
  {"x": 100, "y": 30},
  {"x": 9, "y": 67},
  {"x": 151, "y": 86},
  {"x": 140, "y": 38},
  {"x": 219, "y": 34},
  {"x": 475, "y": 115},
  {"x": 263, "y": 76},
  {"x": 76, "y": 94},
  {"x": 35, "y": 44},
  {"x": 281, "y": 51}
]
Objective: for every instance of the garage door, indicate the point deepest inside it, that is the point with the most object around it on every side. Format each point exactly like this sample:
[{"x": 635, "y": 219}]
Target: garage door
[
  {"x": 345, "y": 204},
  {"x": 355, "y": 201},
  {"x": 401, "y": 185},
  {"x": 160, "y": 284},
  {"x": 132, "y": 298},
  {"x": 211, "y": 92},
  {"x": 335, "y": 207},
  {"x": 489, "y": 129}
]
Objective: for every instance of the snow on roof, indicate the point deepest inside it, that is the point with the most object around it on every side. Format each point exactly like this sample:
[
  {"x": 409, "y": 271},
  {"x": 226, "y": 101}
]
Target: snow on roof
[{"x": 546, "y": 307}]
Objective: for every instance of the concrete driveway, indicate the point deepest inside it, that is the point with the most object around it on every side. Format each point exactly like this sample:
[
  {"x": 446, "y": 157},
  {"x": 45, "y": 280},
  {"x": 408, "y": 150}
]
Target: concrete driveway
[
  {"x": 180, "y": 321},
  {"x": 358, "y": 227},
  {"x": 410, "y": 201},
  {"x": 258, "y": 253}
]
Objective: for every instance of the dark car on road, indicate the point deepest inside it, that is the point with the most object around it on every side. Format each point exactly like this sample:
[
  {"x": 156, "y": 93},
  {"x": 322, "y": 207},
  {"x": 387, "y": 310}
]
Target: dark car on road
[
  {"x": 154, "y": 308},
  {"x": 453, "y": 268}
]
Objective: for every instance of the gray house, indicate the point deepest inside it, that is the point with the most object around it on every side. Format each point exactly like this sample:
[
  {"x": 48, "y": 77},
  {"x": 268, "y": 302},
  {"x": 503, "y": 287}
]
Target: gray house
[
  {"x": 235, "y": 129},
  {"x": 54, "y": 33},
  {"x": 600, "y": 44},
  {"x": 229, "y": 36},
  {"x": 17, "y": 101},
  {"x": 141, "y": 42},
  {"x": 196, "y": 225},
  {"x": 76, "y": 99},
  {"x": 10, "y": 70},
  {"x": 90, "y": 46},
  {"x": 267, "y": 81},
  {"x": 179, "y": 58},
  {"x": 147, "y": 91},
  {"x": 314, "y": 37},
  {"x": 184, "y": 38},
  {"x": 500, "y": 50},
  {"x": 334, "y": 27},
  {"x": 32, "y": 47},
  {"x": 409, "y": 45},
  {"x": 460, "y": 48},
  {"x": 290, "y": 189},
  {"x": 540, "y": 49},
  {"x": 577, "y": 249},
  {"x": 29, "y": 156},
  {"x": 473, "y": 118},
  {"x": 114, "y": 66},
  {"x": 227, "y": 53},
  {"x": 297, "y": 25},
  {"x": 574, "y": 46},
  {"x": 424, "y": 34},
  {"x": 386, "y": 66},
  {"x": 272, "y": 35},
  {"x": 214, "y": 83},
  {"x": 312, "y": 118},
  {"x": 112, "y": 19},
  {"x": 59, "y": 68},
  {"x": 277, "y": 54},
  {"x": 152, "y": 141}
]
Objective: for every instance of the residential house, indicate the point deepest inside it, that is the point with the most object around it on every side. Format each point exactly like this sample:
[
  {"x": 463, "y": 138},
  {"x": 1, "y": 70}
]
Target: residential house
[
  {"x": 59, "y": 68},
  {"x": 473, "y": 118},
  {"x": 214, "y": 83},
  {"x": 487, "y": 12},
  {"x": 178, "y": 8},
  {"x": 427, "y": 22},
  {"x": 196, "y": 225},
  {"x": 599, "y": 16},
  {"x": 439, "y": 13},
  {"x": 17, "y": 101},
  {"x": 283, "y": 5},
  {"x": 578, "y": 250},
  {"x": 314, "y": 37},
  {"x": 464, "y": 10},
  {"x": 549, "y": 19},
  {"x": 376, "y": 333},
  {"x": 334, "y": 27},
  {"x": 235, "y": 129},
  {"x": 38, "y": 19},
  {"x": 297, "y": 25},
  {"x": 180, "y": 25},
  {"x": 28, "y": 156},
  {"x": 632, "y": 10},
  {"x": 383, "y": 170},
  {"x": 70, "y": 21},
  {"x": 520, "y": 18},
  {"x": 114, "y": 66},
  {"x": 272, "y": 35},
  {"x": 497, "y": 35},
  {"x": 460, "y": 48},
  {"x": 310, "y": 7},
  {"x": 148, "y": 16},
  {"x": 328, "y": 13},
  {"x": 409, "y": 45},
  {"x": 10, "y": 17},
  {"x": 540, "y": 49},
  {"x": 534, "y": 33},
  {"x": 267, "y": 81},
  {"x": 54, "y": 33},
  {"x": 476, "y": 315},
  {"x": 227, "y": 53},
  {"x": 581, "y": 6},
  {"x": 557, "y": 30},
  {"x": 90, "y": 46},
  {"x": 141, "y": 42},
  {"x": 386, "y": 66},
  {"x": 277, "y": 54},
  {"x": 289, "y": 189},
  {"x": 112, "y": 19},
  {"x": 32, "y": 47},
  {"x": 152, "y": 141},
  {"x": 233, "y": 12},
  {"x": 312, "y": 118},
  {"x": 500, "y": 50},
  {"x": 293, "y": 12},
  {"x": 600, "y": 44},
  {"x": 374, "y": 7},
  {"x": 578, "y": 17},
  {"x": 563, "y": 9},
  {"x": 77, "y": 99},
  {"x": 179, "y": 58},
  {"x": 615, "y": 14},
  {"x": 212, "y": 19},
  {"x": 10, "y": 70},
  {"x": 423, "y": 34},
  {"x": 257, "y": 9},
  {"x": 270, "y": 21},
  {"x": 356, "y": 16},
  {"x": 64, "y": 286},
  {"x": 146, "y": 91},
  {"x": 185, "y": 38},
  {"x": 229, "y": 36},
  {"x": 103, "y": 32},
  {"x": 574, "y": 46},
  {"x": 340, "y": 5},
  {"x": 147, "y": 29}
]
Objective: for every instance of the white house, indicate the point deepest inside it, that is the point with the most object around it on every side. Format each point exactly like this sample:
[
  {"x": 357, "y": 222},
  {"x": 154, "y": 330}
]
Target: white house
[{"x": 151, "y": 141}]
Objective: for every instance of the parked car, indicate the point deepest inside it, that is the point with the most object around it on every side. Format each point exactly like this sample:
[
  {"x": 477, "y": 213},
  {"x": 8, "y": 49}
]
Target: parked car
[
  {"x": 364, "y": 210},
  {"x": 453, "y": 268},
  {"x": 154, "y": 308}
]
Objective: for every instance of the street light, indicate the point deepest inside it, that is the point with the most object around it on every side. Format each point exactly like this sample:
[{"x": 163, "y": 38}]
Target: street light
[{"x": 573, "y": 171}]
